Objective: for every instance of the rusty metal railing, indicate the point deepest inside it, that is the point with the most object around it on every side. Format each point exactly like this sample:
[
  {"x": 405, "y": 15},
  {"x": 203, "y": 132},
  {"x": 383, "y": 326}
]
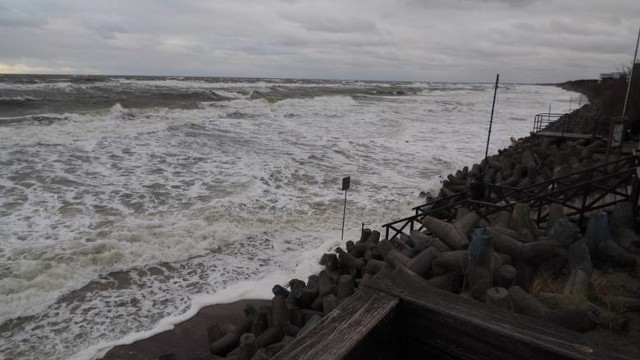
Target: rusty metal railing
[{"x": 590, "y": 188}]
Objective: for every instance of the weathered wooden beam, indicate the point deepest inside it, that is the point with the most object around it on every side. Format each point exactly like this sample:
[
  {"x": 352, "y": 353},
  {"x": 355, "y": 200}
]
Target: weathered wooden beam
[
  {"x": 360, "y": 328},
  {"x": 464, "y": 329}
]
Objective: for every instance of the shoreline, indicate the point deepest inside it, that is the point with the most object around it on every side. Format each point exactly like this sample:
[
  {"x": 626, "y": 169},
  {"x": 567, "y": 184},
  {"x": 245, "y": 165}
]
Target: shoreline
[{"x": 188, "y": 339}]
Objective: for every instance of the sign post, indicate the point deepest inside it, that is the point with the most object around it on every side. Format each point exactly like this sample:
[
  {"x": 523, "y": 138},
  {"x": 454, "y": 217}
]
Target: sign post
[{"x": 346, "y": 183}]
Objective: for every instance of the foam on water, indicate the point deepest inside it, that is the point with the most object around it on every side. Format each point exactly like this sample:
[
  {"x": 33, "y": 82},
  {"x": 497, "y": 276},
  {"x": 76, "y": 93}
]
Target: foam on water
[
  {"x": 259, "y": 288},
  {"x": 116, "y": 219}
]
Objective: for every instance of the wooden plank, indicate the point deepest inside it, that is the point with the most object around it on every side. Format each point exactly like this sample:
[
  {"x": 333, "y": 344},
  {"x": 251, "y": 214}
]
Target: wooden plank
[
  {"x": 466, "y": 329},
  {"x": 359, "y": 328}
]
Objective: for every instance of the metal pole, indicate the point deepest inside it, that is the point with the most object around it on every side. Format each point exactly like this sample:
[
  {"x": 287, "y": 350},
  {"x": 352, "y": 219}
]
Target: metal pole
[
  {"x": 635, "y": 55},
  {"x": 495, "y": 93},
  {"x": 344, "y": 214}
]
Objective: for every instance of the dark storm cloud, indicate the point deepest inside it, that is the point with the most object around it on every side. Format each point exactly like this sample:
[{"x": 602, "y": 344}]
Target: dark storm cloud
[{"x": 457, "y": 40}]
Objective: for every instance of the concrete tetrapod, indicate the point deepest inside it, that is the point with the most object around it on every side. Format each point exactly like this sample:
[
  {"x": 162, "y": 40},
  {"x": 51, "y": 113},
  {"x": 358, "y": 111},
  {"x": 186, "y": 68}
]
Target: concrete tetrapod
[
  {"x": 395, "y": 259},
  {"x": 505, "y": 276},
  {"x": 502, "y": 220},
  {"x": 563, "y": 231},
  {"x": 598, "y": 238},
  {"x": 422, "y": 263},
  {"x": 580, "y": 315},
  {"x": 480, "y": 268},
  {"x": 524, "y": 303},
  {"x": 534, "y": 253},
  {"x": 451, "y": 261},
  {"x": 580, "y": 270},
  {"x": 521, "y": 222},
  {"x": 498, "y": 296},
  {"x": 454, "y": 235},
  {"x": 622, "y": 225},
  {"x": 247, "y": 347},
  {"x": 422, "y": 241},
  {"x": 345, "y": 288}
]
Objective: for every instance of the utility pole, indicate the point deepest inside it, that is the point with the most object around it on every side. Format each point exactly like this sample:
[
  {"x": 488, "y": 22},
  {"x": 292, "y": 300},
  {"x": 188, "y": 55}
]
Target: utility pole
[
  {"x": 635, "y": 56},
  {"x": 495, "y": 93}
]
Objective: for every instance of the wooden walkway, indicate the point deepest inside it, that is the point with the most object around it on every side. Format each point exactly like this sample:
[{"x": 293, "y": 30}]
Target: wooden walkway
[{"x": 399, "y": 316}]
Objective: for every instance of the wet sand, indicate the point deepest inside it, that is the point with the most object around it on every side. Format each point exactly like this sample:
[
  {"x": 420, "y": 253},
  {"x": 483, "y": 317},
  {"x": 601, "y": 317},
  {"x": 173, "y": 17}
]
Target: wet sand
[{"x": 188, "y": 340}]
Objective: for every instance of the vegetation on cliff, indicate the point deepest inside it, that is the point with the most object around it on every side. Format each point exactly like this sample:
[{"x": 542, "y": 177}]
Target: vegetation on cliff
[{"x": 606, "y": 98}]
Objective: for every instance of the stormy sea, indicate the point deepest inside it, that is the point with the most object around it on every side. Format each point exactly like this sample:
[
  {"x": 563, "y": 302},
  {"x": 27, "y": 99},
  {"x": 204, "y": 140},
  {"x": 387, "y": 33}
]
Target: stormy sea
[{"x": 127, "y": 203}]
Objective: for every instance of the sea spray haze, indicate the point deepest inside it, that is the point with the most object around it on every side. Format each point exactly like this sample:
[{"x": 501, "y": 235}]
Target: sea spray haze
[{"x": 123, "y": 198}]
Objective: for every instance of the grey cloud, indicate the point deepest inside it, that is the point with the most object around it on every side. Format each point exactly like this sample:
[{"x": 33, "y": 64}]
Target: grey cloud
[
  {"x": 466, "y": 4},
  {"x": 515, "y": 3},
  {"x": 107, "y": 27},
  {"x": 21, "y": 14},
  {"x": 461, "y": 40},
  {"x": 334, "y": 24}
]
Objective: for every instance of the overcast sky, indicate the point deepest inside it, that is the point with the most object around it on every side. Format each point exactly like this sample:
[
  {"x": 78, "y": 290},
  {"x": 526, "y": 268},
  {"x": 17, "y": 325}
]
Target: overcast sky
[{"x": 420, "y": 40}]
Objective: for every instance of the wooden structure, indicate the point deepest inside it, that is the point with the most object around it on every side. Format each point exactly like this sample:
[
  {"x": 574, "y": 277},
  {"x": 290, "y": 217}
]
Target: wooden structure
[
  {"x": 580, "y": 193},
  {"x": 398, "y": 316}
]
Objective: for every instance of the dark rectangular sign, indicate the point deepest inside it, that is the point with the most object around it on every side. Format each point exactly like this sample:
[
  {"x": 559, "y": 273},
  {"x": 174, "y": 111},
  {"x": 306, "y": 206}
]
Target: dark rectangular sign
[{"x": 346, "y": 182}]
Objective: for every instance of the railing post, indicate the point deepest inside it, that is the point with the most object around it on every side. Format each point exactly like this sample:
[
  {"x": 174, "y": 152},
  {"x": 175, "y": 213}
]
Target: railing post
[{"x": 586, "y": 193}]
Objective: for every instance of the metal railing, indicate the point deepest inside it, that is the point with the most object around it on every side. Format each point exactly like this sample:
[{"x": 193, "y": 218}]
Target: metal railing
[
  {"x": 497, "y": 193},
  {"x": 567, "y": 124},
  {"x": 581, "y": 192},
  {"x": 542, "y": 120}
]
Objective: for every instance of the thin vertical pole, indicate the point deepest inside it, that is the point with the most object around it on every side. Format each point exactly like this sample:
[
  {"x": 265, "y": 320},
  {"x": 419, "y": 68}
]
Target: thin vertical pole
[
  {"x": 635, "y": 55},
  {"x": 344, "y": 214},
  {"x": 495, "y": 93}
]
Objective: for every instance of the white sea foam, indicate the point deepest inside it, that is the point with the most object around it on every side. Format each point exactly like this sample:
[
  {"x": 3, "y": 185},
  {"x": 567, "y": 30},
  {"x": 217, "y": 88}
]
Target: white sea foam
[
  {"x": 18, "y": 98},
  {"x": 39, "y": 86},
  {"x": 194, "y": 83},
  {"x": 259, "y": 288},
  {"x": 116, "y": 219}
]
